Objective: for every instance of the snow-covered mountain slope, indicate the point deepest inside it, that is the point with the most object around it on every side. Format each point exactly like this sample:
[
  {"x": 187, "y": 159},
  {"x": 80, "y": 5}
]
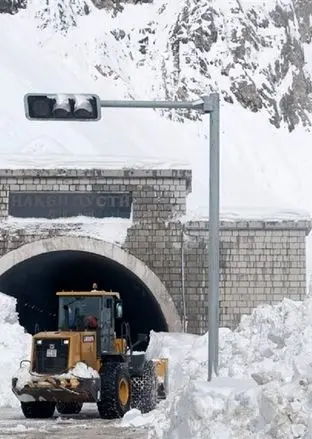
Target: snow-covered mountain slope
[
  {"x": 256, "y": 54},
  {"x": 253, "y": 52},
  {"x": 159, "y": 50}
]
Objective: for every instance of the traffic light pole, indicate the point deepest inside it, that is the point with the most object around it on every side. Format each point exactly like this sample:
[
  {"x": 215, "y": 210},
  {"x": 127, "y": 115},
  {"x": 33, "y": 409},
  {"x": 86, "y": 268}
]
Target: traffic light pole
[
  {"x": 85, "y": 108},
  {"x": 207, "y": 104}
]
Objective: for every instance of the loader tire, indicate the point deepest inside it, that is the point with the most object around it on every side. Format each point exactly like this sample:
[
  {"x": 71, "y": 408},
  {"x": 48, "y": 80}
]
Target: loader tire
[
  {"x": 115, "y": 391},
  {"x": 69, "y": 408},
  {"x": 144, "y": 389},
  {"x": 38, "y": 409}
]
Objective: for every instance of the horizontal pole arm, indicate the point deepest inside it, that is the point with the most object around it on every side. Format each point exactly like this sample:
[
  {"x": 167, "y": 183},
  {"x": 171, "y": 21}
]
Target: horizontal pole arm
[
  {"x": 187, "y": 105},
  {"x": 147, "y": 104}
]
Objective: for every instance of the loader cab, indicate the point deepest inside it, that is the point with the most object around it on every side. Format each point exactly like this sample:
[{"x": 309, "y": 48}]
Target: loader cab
[
  {"x": 79, "y": 313},
  {"x": 96, "y": 310},
  {"x": 77, "y": 310}
]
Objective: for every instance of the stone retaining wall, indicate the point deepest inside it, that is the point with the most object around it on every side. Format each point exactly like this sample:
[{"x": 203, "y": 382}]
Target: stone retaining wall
[{"x": 261, "y": 262}]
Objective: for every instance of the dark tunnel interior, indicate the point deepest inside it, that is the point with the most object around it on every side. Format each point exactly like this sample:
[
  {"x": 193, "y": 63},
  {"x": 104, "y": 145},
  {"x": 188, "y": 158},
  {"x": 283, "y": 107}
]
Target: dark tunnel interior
[{"x": 35, "y": 281}]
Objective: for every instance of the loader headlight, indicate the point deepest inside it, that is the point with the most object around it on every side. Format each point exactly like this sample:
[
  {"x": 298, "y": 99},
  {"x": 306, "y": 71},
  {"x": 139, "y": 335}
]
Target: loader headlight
[
  {"x": 66, "y": 341},
  {"x": 39, "y": 341}
]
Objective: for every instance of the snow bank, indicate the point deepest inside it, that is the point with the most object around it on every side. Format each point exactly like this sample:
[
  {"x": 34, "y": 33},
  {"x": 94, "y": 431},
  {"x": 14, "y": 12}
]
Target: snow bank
[
  {"x": 15, "y": 346},
  {"x": 264, "y": 386},
  {"x": 113, "y": 230},
  {"x": 256, "y": 214}
]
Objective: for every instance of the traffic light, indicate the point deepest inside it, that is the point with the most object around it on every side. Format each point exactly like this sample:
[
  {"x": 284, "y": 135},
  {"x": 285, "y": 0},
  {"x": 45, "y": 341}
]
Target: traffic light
[{"x": 68, "y": 107}]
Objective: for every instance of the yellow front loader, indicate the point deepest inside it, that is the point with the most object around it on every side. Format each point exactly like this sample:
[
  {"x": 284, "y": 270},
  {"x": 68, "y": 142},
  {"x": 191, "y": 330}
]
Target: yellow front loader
[{"x": 84, "y": 361}]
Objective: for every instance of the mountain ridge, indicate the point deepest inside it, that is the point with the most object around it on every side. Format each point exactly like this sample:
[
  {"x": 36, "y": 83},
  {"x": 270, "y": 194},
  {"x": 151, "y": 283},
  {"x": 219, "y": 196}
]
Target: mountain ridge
[{"x": 251, "y": 53}]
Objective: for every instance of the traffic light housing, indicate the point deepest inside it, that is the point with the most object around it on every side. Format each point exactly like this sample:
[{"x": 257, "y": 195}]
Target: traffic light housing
[{"x": 66, "y": 107}]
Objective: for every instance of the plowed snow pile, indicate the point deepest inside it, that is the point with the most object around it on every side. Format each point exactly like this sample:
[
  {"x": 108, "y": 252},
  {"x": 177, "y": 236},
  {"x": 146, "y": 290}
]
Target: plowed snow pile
[
  {"x": 14, "y": 347},
  {"x": 265, "y": 385}
]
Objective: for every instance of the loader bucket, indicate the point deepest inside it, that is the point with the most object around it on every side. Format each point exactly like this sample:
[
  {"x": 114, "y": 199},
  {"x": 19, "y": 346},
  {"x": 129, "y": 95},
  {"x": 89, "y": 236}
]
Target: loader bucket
[{"x": 56, "y": 390}]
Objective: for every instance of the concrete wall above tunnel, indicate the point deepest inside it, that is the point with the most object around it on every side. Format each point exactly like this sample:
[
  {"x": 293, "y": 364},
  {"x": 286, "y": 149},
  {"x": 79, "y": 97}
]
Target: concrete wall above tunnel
[
  {"x": 104, "y": 249},
  {"x": 261, "y": 261}
]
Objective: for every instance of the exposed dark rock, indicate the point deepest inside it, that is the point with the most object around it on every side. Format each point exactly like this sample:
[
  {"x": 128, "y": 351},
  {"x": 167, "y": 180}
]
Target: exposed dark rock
[
  {"x": 247, "y": 95},
  {"x": 61, "y": 15},
  {"x": 119, "y": 34},
  {"x": 303, "y": 10},
  {"x": 285, "y": 87},
  {"x": 12, "y": 6}
]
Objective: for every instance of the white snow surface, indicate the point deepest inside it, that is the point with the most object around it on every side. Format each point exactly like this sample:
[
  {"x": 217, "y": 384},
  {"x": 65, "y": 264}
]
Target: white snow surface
[
  {"x": 112, "y": 230},
  {"x": 264, "y": 385},
  {"x": 81, "y": 370},
  {"x": 265, "y": 173},
  {"x": 15, "y": 346},
  {"x": 23, "y": 376}
]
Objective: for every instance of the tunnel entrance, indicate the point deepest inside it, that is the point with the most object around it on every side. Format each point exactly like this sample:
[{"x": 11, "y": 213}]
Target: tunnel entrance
[{"x": 35, "y": 281}]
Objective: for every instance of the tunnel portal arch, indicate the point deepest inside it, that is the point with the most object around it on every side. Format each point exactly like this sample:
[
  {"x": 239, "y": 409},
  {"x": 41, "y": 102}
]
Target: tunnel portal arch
[{"x": 107, "y": 250}]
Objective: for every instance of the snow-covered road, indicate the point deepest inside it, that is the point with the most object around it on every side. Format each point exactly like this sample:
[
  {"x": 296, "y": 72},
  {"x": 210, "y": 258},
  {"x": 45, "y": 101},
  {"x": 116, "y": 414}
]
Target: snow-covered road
[{"x": 87, "y": 425}]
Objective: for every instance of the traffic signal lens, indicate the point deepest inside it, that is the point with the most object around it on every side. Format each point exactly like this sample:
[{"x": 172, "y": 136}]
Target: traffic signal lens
[
  {"x": 83, "y": 107},
  {"x": 82, "y": 113},
  {"x": 40, "y": 107},
  {"x": 61, "y": 113}
]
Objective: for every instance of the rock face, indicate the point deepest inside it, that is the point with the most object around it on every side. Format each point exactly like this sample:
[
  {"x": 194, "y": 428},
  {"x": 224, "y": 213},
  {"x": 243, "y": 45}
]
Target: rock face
[
  {"x": 254, "y": 53},
  {"x": 61, "y": 14},
  {"x": 12, "y": 6},
  {"x": 251, "y": 52}
]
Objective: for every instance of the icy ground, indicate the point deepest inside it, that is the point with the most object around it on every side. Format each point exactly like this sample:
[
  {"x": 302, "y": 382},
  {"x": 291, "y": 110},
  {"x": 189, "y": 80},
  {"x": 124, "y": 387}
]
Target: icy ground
[{"x": 86, "y": 425}]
